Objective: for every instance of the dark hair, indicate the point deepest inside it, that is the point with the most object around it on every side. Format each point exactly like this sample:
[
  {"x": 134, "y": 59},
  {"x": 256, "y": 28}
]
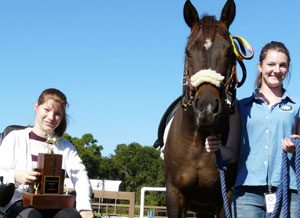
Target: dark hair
[
  {"x": 273, "y": 45},
  {"x": 59, "y": 97}
]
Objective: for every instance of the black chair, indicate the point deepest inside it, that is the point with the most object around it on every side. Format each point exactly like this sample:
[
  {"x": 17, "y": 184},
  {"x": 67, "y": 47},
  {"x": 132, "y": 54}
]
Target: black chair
[
  {"x": 8, "y": 129},
  {"x": 7, "y": 190}
]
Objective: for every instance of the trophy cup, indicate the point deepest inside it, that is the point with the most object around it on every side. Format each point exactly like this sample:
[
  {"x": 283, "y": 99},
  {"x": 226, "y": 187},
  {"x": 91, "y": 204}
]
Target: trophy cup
[{"x": 47, "y": 192}]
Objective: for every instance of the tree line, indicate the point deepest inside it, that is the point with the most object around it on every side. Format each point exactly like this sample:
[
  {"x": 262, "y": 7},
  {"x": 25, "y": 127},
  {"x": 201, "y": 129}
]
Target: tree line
[{"x": 135, "y": 165}]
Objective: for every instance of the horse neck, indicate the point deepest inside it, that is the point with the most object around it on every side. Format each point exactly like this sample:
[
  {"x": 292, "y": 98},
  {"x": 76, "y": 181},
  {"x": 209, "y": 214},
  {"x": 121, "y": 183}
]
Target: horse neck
[{"x": 188, "y": 128}]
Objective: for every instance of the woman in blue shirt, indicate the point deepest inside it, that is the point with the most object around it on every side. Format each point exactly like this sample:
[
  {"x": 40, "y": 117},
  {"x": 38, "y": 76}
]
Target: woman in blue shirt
[{"x": 268, "y": 119}]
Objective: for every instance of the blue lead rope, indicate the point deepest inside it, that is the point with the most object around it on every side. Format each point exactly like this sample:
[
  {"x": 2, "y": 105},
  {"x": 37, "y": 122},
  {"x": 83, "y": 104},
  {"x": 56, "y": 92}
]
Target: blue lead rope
[
  {"x": 282, "y": 201},
  {"x": 222, "y": 167},
  {"x": 297, "y": 166}
]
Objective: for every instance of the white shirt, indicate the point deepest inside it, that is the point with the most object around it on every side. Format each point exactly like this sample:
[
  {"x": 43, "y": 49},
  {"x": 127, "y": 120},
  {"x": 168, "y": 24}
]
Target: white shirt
[{"x": 15, "y": 154}]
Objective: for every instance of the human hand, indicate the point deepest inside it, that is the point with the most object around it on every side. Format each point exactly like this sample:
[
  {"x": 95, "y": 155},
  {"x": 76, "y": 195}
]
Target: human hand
[
  {"x": 26, "y": 176},
  {"x": 86, "y": 214},
  {"x": 212, "y": 144},
  {"x": 288, "y": 145}
]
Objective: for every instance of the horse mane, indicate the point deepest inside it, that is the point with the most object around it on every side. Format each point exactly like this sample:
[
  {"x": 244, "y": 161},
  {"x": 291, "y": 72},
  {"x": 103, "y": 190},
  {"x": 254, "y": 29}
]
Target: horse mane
[{"x": 206, "y": 28}]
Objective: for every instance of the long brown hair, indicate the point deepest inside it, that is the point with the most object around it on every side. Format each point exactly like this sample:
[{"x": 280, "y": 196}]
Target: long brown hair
[
  {"x": 59, "y": 97},
  {"x": 273, "y": 45}
]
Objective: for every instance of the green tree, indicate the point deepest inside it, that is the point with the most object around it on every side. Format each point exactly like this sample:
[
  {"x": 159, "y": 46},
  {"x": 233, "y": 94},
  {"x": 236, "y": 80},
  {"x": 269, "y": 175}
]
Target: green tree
[
  {"x": 137, "y": 167},
  {"x": 107, "y": 170}
]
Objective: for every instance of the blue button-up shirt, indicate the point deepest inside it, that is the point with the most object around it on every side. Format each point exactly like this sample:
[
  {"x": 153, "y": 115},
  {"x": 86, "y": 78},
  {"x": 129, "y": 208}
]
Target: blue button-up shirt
[{"x": 263, "y": 128}]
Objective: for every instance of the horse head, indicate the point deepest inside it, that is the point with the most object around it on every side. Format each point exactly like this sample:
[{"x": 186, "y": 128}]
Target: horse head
[{"x": 209, "y": 60}]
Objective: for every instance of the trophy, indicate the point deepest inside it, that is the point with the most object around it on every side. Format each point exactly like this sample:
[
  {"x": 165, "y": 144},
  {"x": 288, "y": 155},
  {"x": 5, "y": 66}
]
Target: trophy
[
  {"x": 52, "y": 176},
  {"x": 47, "y": 191}
]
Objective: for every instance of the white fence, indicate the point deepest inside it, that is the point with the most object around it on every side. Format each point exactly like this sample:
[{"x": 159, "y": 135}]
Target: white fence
[{"x": 143, "y": 190}]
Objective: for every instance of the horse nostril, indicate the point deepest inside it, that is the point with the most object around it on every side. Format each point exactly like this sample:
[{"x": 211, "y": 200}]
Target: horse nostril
[
  {"x": 200, "y": 105},
  {"x": 217, "y": 107}
]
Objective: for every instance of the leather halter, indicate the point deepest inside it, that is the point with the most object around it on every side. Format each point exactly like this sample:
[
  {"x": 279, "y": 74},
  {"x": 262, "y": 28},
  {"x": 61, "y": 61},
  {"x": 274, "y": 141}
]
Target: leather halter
[{"x": 231, "y": 82}]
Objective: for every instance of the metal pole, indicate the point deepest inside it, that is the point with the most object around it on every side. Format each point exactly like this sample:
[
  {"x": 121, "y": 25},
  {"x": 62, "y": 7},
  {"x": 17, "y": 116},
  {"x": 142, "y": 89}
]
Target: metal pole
[{"x": 143, "y": 190}]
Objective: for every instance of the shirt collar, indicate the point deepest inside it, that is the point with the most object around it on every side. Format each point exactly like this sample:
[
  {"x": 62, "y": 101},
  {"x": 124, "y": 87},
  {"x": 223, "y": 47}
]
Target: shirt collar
[{"x": 255, "y": 98}]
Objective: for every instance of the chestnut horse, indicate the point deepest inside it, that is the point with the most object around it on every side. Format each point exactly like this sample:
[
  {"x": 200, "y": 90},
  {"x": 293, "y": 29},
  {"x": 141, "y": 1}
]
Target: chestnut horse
[{"x": 193, "y": 181}]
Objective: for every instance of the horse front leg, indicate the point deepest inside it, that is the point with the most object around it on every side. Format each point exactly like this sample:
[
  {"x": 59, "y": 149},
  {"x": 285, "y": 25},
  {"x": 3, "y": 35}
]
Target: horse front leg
[{"x": 176, "y": 203}]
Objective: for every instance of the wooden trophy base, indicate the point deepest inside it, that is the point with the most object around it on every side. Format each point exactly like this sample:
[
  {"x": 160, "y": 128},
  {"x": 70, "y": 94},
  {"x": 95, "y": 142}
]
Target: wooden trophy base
[{"x": 48, "y": 201}]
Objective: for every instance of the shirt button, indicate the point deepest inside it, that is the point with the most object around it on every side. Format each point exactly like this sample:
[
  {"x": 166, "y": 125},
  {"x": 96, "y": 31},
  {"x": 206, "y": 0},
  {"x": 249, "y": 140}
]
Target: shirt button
[
  {"x": 266, "y": 147},
  {"x": 267, "y": 116},
  {"x": 265, "y": 163},
  {"x": 267, "y": 131}
]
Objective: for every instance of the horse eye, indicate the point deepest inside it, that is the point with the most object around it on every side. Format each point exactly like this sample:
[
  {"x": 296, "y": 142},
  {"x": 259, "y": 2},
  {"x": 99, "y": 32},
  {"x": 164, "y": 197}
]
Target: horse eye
[
  {"x": 188, "y": 53},
  {"x": 229, "y": 52}
]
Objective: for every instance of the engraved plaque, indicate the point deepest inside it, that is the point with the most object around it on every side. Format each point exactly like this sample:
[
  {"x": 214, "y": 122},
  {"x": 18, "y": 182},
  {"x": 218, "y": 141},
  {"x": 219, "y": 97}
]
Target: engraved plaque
[{"x": 51, "y": 180}]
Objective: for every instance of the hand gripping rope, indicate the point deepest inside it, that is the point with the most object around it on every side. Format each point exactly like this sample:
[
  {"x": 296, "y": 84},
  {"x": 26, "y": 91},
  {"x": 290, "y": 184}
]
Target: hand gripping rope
[{"x": 282, "y": 200}]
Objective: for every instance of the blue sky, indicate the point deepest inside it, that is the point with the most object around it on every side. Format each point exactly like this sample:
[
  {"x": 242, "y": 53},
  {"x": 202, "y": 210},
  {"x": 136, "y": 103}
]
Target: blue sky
[{"x": 119, "y": 62}]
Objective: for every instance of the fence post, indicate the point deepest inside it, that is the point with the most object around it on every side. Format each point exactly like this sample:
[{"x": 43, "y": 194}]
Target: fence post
[{"x": 142, "y": 200}]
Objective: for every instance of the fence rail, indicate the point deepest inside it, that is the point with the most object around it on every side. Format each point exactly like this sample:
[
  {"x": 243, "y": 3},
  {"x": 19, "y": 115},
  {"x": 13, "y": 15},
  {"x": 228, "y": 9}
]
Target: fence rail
[
  {"x": 128, "y": 210},
  {"x": 130, "y": 196},
  {"x": 107, "y": 209}
]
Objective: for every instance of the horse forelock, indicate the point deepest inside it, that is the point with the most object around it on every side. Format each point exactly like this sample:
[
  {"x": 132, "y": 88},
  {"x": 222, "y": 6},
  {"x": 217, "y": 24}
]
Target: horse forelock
[{"x": 206, "y": 29}]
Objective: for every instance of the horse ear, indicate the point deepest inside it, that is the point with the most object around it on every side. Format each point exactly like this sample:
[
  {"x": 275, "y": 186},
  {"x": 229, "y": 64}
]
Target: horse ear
[
  {"x": 190, "y": 14},
  {"x": 228, "y": 12}
]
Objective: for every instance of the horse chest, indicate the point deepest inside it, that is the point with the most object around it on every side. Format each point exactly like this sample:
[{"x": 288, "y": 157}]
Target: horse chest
[{"x": 201, "y": 172}]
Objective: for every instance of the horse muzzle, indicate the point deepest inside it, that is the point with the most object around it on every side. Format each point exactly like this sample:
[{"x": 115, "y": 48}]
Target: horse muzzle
[{"x": 207, "y": 110}]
